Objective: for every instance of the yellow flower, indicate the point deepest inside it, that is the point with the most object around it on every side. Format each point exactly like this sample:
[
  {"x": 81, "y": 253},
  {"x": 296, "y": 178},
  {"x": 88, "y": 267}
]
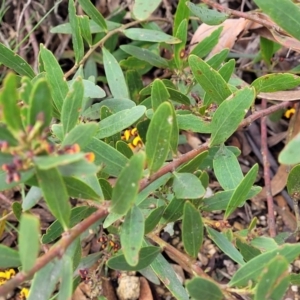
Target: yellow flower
[
  {"x": 24, "y": 293},
  {"x": 289, "y": 113},
  {"x": 133, "y": 139}
]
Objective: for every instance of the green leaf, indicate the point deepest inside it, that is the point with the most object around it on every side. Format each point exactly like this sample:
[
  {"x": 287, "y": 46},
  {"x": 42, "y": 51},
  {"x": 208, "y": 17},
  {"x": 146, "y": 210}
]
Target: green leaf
[
  {"x": 159, "y": 93},
  {"x": 192, "y": 229},
  {"x": 187, "y": 186},
  {"x": 220, "y": 200},
  {"x": 119, "y": 121},
  {"x": 142, "y": 9},
  {"x": 204, "y": 289},
  {"x": 146, "y": 55},
  {"x": 207, "y": 44},
  {"x": 29, "y": 246},
  {"x": 32, "y": 197},
  {"x": 173, "y": 211},
  {"x": 264, "y": 243},
  {"x": 40, "y": 102},
  {"x": 127, "y": 185},
  {"x": 209, "y": 79},
  {"x": 72, "y": 106},
  {"x": 267, "y": 50},
  {"x": 227, "y": 169},
  {"x": 114, "y": 75},
  {"x": 222, "y": 242},
  {"x": 135, "y": 84},
  {"x": 285, "y": 13},
  {"x": 194, "y": 164},
  {"x": 147, "y": 255},
  {"x": 81, "y": 134},
  {"x": 9, "y": 103},
  {"x": 55, "y": 194},
  {"x": 178, "y": 97},
  {"x": 6, "y": 135},
  {"x": 15, "y": 62},
  {"x": 179, "y": 49},
  {"x": 91, "y": 90},
  {"x": 132, "y": 234},
  {"x": 174, "y": 133},
  {"x": 239, "y": 196},
  {"x": 274, "y": 280},
  {"x": 93, "y": 13},
  {"x": 229, "y": 115},
  {"x": 246, "y": 250},
  {"x": 216, "y": 60},
  {"x": 47, "y": 162},
  {"x": 182, "y": 13},
  {"x": 66, "y": 285},
  {"x": 254, "y": 268},
  {"x": 155, "y": 36},
  {"x": 158, "y": 136},
  {"x": 17, "y": 210},
  {"x": 153, "y": 218},
  {"x": 84, "y": 24},
  {"x": 193, "y": 123},
  {"x": 78, "y": 168},
  {"x": 207, "y": 16},
  {"x": 227, "y": 69},
  {"x": 275, "y": 82},
  {"x": 55, "y": 76},
  {"x": 77, "y": 40},
  {"x": 293, "y": 183},
  {"x": 78, "y": 189},
  {"x": 55, "y": 230},
  {"x": 45, "y": 280},
  {"x": 9, "y": 258},
  {"x": 290, "y": 155},
  {"x": 113, "y": 160},
  {"x": 167, "y": 275}
]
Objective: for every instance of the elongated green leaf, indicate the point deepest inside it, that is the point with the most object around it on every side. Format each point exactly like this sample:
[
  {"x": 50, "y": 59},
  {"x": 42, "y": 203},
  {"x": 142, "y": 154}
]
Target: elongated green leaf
[
  {"x": 222, "y": 242},
  {"x": 80, "y": 168},
  {"x": 276, "y": 82},
  {"x": 192, "y": 229},
  {"x": 229, "y": 115},
  {"x": 55, "y": 194},
  {"x": 158, "y": 136},
  {"x": 285, "y": 13},
  {"x": 204, "y": 289},
  {"x": 194, "y": 164},
  {"x": 66, "y": 285},
  {"x": 293, "y": 183},
  {"x": 135, "y": 84},
  {"x": 147, "y": 255},
  {"x": 93, "y": 13},
  {"x": 153, "y": 218},
  {"x": 40, "y": 107},
  {"x": 55, "y": 230},
  {"x": 9, "y": 258},
  {"x": 140, "y": 34},
  {"x": 264, "y": 243},
  {"x": 207, "y": 16},
  {"x": 85, "y": 29},
  {"x": 210, "y": 80},
  {"x": 193, "y": 123},
  {"x": 227, "y": 169},
  {"x": 132, "y": 234},
  {"x": 174, "y": 138},
  {"x": 108, "y": 156},
  {"x": 239, "y": 196},
  {"x": 127, "y": 185},
  {"x": 274, "y": 280},
  {"x": 142, "y": 9},
  {"x": 159, "y": 94},
  {"x": 207, "y": 44},
  {"x": 146, "y": 55},
  {"x": 173, "y": 211},
  {"x": 227, "y": 69},
  {"x": 187, "y": 186},
  {"x": 81, "y": 134},
  {"x": 119, "y": 121},
  {"x": 72, "y": 106},
  {"x": 246, "y": 250},
  {"x": 15, "y": 62},
  {"x": 32, "y": 198},
  {"x": 45, "y": 280},
  {"x": 114, "y": 75},
  {"x": 179, "y": 49},
  {"x": 6, "y": 135},
  {"x": 182, "y": 13},
  {"x": 290, "y": 155},
  {"x": 178, "y": 96},
  {"x": 29, "y": 236},
  {"x": 47, "y": 162},
  {"x": 55, "y": 76},
  {"x": 167, "y": 275},
  {"x": 220, "y": 200},
  {"x": 77, "y": 40},
  {"x": 9, "y": 105},
  {"x": 253, "y": 269}
]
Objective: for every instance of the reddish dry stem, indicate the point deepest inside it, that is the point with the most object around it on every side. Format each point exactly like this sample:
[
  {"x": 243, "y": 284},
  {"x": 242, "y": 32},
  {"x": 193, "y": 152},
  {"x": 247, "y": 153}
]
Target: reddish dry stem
[{"x": 267, "y": 178}]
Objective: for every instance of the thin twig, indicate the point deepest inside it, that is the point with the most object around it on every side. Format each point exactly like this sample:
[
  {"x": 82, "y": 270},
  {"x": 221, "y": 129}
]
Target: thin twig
[
  {"x": 249, "y": 16},
  {"x": 267, "y": 178},
  {"x": 106, "y": 37}
]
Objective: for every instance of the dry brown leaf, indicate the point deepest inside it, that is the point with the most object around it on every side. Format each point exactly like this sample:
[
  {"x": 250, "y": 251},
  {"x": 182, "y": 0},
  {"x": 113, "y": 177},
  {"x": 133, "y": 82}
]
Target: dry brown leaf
[
  {"x": 284, "y": 211},
  {"x": 231, "y": 29},
  {"x": 145, "y": 290}
]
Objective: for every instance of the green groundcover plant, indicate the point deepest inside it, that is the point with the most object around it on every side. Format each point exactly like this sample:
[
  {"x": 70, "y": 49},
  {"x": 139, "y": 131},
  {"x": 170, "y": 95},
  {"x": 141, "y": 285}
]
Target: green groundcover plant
[{"x": 62, "y": 136}]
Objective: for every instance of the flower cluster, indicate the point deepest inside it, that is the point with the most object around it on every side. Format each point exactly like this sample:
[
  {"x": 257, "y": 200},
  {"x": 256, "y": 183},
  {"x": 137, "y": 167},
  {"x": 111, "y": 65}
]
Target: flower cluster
[{"x": 133, "y": 139}]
